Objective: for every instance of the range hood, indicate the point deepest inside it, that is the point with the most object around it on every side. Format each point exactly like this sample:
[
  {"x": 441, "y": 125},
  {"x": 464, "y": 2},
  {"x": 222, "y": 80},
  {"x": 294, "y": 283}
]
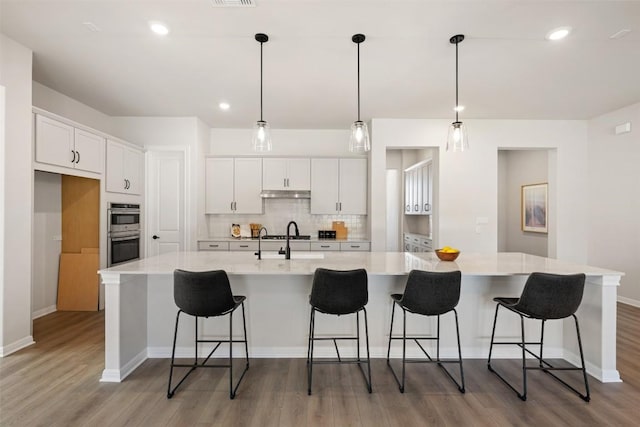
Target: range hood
[{"x": 285, "y": 194}]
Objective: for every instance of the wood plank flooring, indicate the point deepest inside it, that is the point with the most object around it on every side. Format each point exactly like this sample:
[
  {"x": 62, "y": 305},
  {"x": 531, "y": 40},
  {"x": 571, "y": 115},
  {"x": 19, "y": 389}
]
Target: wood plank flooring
[{"x": 55, "y": 383}]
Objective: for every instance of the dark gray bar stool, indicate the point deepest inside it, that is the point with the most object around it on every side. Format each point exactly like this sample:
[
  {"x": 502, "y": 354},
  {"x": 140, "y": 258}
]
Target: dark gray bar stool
[
  {"x": 339, "y": 292},
  {"x": 206, "y": 294},
  {"x": 428, "y": 294},
  {"x": 544, "y": 297}
]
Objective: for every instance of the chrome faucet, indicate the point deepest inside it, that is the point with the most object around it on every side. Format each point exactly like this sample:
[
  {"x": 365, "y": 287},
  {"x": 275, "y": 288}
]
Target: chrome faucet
[
  {"x": 287, "y": 251},
  {"x": 259, "y": 253}
]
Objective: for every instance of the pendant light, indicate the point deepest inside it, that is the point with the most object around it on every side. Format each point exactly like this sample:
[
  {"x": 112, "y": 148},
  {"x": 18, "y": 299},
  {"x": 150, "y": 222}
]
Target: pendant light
[
  {"x": 359, "y": 141},
  {"x": 458, "y": 138},
  {"x": 261, "y": 133}
]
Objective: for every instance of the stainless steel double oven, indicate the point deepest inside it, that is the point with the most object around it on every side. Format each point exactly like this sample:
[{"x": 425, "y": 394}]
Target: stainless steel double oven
[{"x": 123, "y": 233}]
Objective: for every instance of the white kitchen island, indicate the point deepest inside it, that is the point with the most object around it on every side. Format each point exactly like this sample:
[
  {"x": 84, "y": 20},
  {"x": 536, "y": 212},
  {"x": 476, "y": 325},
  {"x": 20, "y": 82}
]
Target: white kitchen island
[{"x": 140, "y": 312}]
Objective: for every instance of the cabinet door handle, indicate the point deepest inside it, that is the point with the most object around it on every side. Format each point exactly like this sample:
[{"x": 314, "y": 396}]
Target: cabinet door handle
[
  {"x": 408, "y": 208},
  {"x": 155, "y": 237},
  {"x": 284, "y": 182},
  {"x": 325, "y": 246},
  {"x": 337, "y": 209},
  {"x": 340, "y": 206},
  {"x": 244, "y": 246},
  {"x": 231, "y": 206},
  {"x": 214, "y": 246},
  {"x": 355, "y": 246},
  {"x": 416, "y": 208},
  {"x": 78, "y": 157},
  {"x": 74, "y": 156},
  {"x": 125, "y": 184}
]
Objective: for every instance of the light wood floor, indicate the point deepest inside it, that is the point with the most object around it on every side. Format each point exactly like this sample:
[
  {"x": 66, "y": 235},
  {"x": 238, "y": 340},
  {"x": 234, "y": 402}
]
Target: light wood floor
[{"x": 55, "y": 382}]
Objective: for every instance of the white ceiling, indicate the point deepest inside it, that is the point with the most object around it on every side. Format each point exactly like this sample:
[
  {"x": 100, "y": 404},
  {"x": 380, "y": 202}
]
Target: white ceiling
[{"x": 507, "y": 68}]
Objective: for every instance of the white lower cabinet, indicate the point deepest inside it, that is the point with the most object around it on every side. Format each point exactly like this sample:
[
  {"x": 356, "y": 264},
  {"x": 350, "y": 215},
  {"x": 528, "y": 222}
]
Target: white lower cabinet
[
  {"x": 244, "y": 245},
  {"x": 276, "y": 245},
  {"x": 417, "y": 243},
  {"x": 325, "y": 246},
  {"x": 60, "y": 144},
  {"x": 294, "y": 245},
  {"x": 124, "y": 168},
  {"x": 355, "y": 247},
  {"x": 213, "y": 246}
]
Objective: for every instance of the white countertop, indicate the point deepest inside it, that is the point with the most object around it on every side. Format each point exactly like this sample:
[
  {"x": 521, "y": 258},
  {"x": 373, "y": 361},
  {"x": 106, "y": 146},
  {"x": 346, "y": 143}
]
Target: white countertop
[{"x": 376, "y": 263}]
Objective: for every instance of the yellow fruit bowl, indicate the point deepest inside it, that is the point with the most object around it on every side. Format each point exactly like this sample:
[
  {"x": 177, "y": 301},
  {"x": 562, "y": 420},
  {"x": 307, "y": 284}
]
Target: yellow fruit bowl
[{"x": 447, "y": 256}]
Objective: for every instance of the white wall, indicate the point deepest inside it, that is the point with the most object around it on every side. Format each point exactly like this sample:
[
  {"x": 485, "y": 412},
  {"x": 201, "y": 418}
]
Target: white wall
[
  {"x": 614, "y": 198},
  {"x": 468, "y": 181},
  {"x": 60, "y": 104},
  {"x": 521, "y": 167},
  {"x": 171, "y": 133},
  {"x": 16, "y": 201},
  {"x": 286, "y": 142},
  {"x": 47, "y": 232}
]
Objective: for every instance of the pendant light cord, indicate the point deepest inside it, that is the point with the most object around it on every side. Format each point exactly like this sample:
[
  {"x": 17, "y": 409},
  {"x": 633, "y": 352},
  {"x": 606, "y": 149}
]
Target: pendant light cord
[
  {"x": 457, "y": 82},
  {"x": 261, "y": 43},
  {"x": 358, "y": 81}
]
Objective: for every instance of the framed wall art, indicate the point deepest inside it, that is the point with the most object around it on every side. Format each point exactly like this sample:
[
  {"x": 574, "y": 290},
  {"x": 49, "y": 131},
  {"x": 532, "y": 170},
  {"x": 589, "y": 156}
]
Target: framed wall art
[{"x": 534, "y": 208}]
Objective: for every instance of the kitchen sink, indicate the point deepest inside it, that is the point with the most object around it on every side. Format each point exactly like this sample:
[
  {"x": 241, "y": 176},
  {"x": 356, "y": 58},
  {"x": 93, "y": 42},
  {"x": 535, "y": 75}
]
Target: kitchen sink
[{"x": 294, "y": 255}]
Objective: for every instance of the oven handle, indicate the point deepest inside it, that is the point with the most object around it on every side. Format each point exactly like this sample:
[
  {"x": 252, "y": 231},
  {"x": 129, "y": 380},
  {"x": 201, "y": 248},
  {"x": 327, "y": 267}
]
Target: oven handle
[
  {"x": 123, "y": 238},
  {"x": 123, "y": 211}
]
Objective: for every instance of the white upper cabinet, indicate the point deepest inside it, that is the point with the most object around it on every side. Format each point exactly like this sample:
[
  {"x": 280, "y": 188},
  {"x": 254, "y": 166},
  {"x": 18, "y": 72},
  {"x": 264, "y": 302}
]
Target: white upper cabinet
[
  {"x": 339, "y": 186},
  {"x": 418, "y": 189},
  {"x": 61, "y": 144},
  {"x": 233, "y": 185},
  {"x": 286, "y": 174},
  {"x": 124, "y": 169},
  {"x": 427, "y": 189}
]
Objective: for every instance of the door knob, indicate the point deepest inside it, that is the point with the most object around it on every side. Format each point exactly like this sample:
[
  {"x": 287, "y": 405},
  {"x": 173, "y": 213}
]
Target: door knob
[{"x": 155, "y": 237}]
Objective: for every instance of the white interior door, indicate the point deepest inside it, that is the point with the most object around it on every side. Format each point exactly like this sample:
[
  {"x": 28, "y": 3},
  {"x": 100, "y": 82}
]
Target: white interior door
[{"x": 166, "y": 225}]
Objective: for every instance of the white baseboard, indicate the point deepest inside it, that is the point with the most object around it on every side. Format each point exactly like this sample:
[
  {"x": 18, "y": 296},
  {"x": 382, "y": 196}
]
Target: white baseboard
[
  {"x": 117, "y": 375},
  {"x": 18, "y": 345},
  {"x": 44, "y": 311},
  {"x": 629, "y": 301}
]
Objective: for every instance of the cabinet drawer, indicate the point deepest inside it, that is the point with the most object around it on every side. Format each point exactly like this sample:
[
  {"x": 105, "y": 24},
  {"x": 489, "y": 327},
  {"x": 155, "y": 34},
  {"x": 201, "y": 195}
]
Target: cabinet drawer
[
  {"x": 325, "y": 246},
  {"x": 352, "y": 247},
  {"x": 427, "y": 243},
  {"x": 275, "y": 246},
  {"x": 243, "y": 246},
  {"x": 213, "y": 246}
]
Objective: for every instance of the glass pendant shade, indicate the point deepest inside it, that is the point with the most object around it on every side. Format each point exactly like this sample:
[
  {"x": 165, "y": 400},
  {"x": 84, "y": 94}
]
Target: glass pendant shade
[
  {"x": 261, "y": 137},
  {"x": 458, "y": 138},
  {"x": 359, "y": 141}
]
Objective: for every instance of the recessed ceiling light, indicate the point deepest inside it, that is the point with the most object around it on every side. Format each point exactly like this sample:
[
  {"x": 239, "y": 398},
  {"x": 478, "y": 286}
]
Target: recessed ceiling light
[
  {"x": 458, "y": 108},
  {"x": 159, "y": 28},
  {"x": 91, "y": 26},
  {"x": 224, "y": 106},
  {"x": 558, "y": 33}
]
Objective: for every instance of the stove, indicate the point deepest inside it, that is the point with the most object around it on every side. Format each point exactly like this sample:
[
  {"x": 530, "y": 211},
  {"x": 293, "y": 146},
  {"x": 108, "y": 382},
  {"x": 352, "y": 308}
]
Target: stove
[{"x": 284, "y": 237}]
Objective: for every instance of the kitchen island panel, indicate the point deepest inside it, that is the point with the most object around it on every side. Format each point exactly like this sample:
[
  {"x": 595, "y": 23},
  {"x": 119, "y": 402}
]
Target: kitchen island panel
[{"x": 277, "y": 307}]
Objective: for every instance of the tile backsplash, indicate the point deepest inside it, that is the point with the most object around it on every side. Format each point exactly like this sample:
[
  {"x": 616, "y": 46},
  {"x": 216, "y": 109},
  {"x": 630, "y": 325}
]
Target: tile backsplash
[{"x": 278, "y": 213}]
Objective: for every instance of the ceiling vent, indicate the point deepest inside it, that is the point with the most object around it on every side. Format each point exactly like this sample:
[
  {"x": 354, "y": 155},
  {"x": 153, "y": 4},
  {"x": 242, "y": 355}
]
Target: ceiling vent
[{"x": 234, "y": 3}]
